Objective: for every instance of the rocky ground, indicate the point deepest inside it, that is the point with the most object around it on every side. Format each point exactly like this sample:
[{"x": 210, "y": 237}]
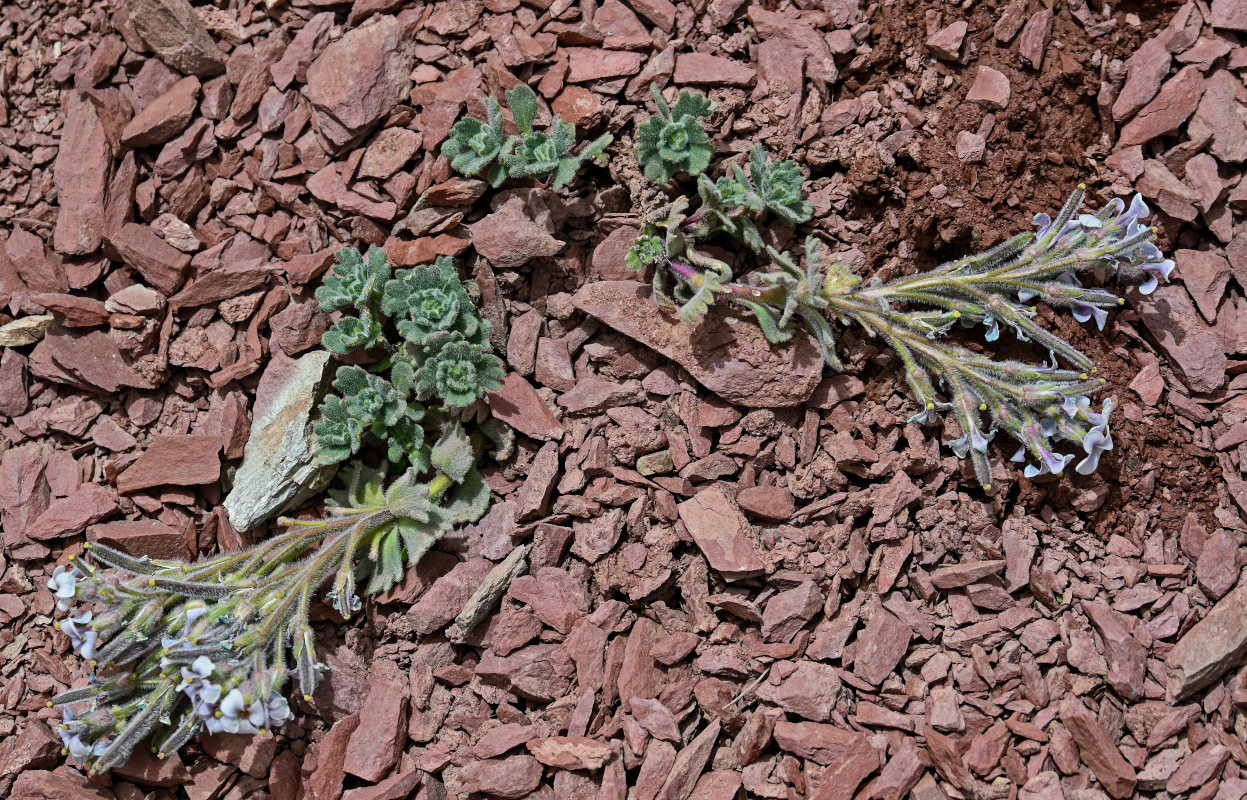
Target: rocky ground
[{"x": 736, "y": 587}]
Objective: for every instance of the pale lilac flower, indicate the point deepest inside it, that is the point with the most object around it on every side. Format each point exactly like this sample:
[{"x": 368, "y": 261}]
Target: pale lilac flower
[{"x": 64, "y": 584}]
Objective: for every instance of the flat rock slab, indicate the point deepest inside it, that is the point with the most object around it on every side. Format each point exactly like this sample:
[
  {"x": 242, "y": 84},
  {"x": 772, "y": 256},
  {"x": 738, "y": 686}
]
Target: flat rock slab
[
  {"x": 1217, "y": 644},
  {"x": 732, "y": 359},
  {"x": 279, "y": 468},
  {"x": 720, "y": 532},
  {"x": 174, "y": 460}
]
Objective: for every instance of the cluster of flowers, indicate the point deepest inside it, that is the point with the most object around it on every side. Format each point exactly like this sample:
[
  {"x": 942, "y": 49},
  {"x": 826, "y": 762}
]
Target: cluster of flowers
[{"x": 183, "y": 673}]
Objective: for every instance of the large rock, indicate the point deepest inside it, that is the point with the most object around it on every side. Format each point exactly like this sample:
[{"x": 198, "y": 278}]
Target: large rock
[
  {"x": 1193, "y": 348},
  {"x": 730, "y": 358},
  {"x": 1216, "y": 644},
  {"x": 81, "y": 177},
  {"x": 173, "y": 30},
  {"x": 279, "y": 469},
  {"x": 356, "y": 80}
]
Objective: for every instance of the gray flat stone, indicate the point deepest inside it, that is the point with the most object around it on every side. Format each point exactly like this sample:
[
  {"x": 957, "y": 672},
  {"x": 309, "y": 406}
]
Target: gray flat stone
[{"x": 279, "y": 469}]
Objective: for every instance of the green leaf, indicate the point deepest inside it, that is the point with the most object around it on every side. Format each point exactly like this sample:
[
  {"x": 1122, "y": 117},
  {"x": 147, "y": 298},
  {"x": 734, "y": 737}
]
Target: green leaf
[
  {"x": 781, "y": 186},
  {"x": 771, "y": 329},
  {"x": 691, "y": 104},
  {"x": 338, "y": 432},
  {"x": 354, "y": 281},
  {"x": 597, "y": 148},
  {"x": 702, "y": 298},
  {"x": 467, "y": 501},
  {"x": 645, "y": 250},
  {"x": 665, "y": 146},
  {"x": 566, "y": 172},
  {"x": 473, "y": 145},
  {"x": 523, "y": 102},
  {"x": 453, "y": 454}
]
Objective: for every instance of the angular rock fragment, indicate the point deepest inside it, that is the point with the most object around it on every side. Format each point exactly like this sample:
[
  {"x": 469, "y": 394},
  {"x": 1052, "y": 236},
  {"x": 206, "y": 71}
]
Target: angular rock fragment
[
  {"x": 518, "y": 404},
  {"x": 1173, "y": 105},
  {"x": 946, "y": 42},
  {"x": 706, "y": 69},
  {"x": 1217, "y": 644},
  {"x": 81, "y": 176},
  {"x": 165, "y": 117},
  {"x": 508, "y": 238},
  {"x": 570, "y": 752},
  {"x": 588, "y": 64},
  {"x": 1146, "y": 69},
  {"x": 358, "y": 79},
  {"x": 161, "y": 265},
  {"x": 719, "y": 531},
  {"x": 67, "y": 516},
  {"x": 174, "y": 460},
  {"x": 151, "y": 538},
  {"x": 177, "y": 35},
  {"x": 990, "y": 88},
  {"x": 377, "y": 743},
  {"x": 1096, "y": 748},
  {"x": 279, "y": 468},
  {"x": 809, "y": 692},
  {"x": 733, "y": 360},
  {"x": 1193, "y": 349},
  {"x": 87, "y": 358},
  {"x": 1033, "y": 42}
]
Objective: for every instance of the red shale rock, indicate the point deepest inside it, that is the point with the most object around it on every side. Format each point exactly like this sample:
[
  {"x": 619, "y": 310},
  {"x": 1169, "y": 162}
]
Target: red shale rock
[
  {"x": 61, "y": 785},
  {"x": 508, "y": 238},
  {"x": 823, "y": 744},
  {"x": 174, "y": 460},
  {"x": 377, "y": 743},
  {"x": 1096, "y": 748},
  {"x": 570, "y": 752},
  {"x": 990, "y": 88},
  {"x": 705, "y": 69},
  {"x": 1207, "y": 651},
  {"x": 511, "y": 777},
  {"x": 1173, "y": 105},
  {"x": 81, "y": 175},
  {"x": 175, "y": 32},
  {"x": 1127, "y": 659},
  {"x": 735, "y": 362},
  {"x": 66, "y": 516},
  {"x": 518, "y": 404},
  {"x": 160, "y": 264},
  {"x": 358, "y": 79},
  {"x": 719, "y": 531},
  {"x": 151, "y": 538},
  {"x": 165, "y": 117}
]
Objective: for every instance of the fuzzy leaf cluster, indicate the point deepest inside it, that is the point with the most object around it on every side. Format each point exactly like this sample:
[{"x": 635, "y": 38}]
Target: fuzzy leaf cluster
[
  {"x": 443, "y": 365},
  {"x": 674, "y": 140},
  {"x": 476, "y": 146},
  {"x": 355, "y": 284}
]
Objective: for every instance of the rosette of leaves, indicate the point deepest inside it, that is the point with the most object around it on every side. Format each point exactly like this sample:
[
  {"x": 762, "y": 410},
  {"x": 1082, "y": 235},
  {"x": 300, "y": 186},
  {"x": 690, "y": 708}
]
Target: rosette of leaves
[
  {"x": 773, "y": 186},
  {"x": 475, "y": 146},
  {"x": 365, "y": 404},
  {"x": 428, "y": 299},
  {"x": 356, "y": 282},
  {"x": 455, "y": 370},
  {"x": 673, "y": 140}
]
